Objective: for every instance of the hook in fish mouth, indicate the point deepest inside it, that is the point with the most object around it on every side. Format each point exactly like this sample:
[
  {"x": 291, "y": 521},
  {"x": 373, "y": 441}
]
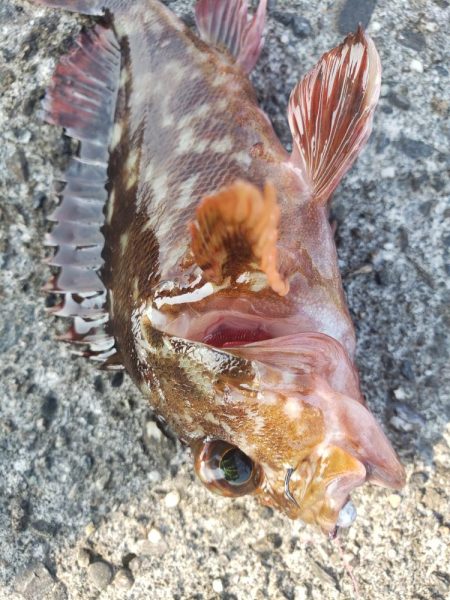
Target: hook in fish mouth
[
  {"x": 346, "y": 518},
  {"x": 347, "y": 514},
  {"x": 287, "y": 491}
]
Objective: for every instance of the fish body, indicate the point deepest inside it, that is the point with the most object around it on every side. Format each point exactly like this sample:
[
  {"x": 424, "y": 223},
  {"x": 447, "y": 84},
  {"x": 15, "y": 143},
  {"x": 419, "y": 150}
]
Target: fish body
[{"x": 214, "y": 279}]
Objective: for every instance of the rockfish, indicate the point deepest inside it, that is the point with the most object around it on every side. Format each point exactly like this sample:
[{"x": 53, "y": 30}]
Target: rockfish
[{"x": 195, "y": 252}]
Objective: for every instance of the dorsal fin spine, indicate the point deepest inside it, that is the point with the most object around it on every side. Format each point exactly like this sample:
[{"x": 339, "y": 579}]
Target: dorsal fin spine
[{"x": 82, "y": 98}]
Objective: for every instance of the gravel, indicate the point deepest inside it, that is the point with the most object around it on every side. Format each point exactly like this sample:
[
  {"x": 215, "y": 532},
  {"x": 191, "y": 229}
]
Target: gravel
[
  {"x": 100, "y": 574},
  {"x": 86, "y": 479}
]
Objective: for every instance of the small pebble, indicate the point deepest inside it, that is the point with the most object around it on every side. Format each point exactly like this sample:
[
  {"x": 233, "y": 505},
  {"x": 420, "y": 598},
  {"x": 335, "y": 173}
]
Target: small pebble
[
  {"x": 347, "y": 515},
  {"x": 134, "y": 565},
  {"x": 117, "y": 379},
  {"x": 153, "y": 545},
  {"x": 217, "y": 586},
  {"x": 394, "y": 500},
  {"x": 154, "y": 476},
  {"x": 123, "y": 579},
  {"x": 83, "y": 558},
  {"x": 152, "y": 431},
  {"x": 301, "y": 27},
  {"x": 100, "y": 574},
  {"x": 172, "y": 499},
  {"x": 154, "y": 536},
  {"x": 399, "y": 393},
  {"x": 431, "y": 26},
  {"x": 375, "y": 26},
  {"x": 301, "y": 593},
  {"x": 384, "y": 90},
  {"x": 388, "y": 172},
  {"x": 416, "y": 65},
  {"x": 399, "y": 424},
  {"x": 392, "y": 553}
]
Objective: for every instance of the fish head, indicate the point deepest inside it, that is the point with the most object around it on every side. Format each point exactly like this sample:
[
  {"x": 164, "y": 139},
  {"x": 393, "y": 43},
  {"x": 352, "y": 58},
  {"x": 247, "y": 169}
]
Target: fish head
[
  {"x": 280, "y": 418},
  {"x": 304, "y": 440}
]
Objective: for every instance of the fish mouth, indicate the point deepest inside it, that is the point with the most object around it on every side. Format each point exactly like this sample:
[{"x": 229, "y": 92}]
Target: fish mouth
[
  {"x": 232, "y": 329},
  {"x": 237, "y": 331}
]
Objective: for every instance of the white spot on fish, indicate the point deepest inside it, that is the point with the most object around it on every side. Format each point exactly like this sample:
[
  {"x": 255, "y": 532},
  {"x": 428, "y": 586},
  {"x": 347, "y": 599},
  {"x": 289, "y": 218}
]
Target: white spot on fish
[
  {"x": 174, "y": 71},
  {"x": 132, "y": 179},
  {"x": 136, "y": 288},
  {"x": 200, "y": 146},
  {"x": 222, "y": 146},
  {"x": 131, "y": 168},
  {"x": 221, "y": 105},
  {"x": 124, "y": 77},
  {"x": 160, "y": 186},
  {"x": 186, "y": 190},
  {"x": 186, "y": 140},
  {"x": 267, "y": 397},
  {"x": 124, "y": 241},
  {"x": 195, "y": 296},
  {"x": 168, "y": 120},
  {"x": 258, "y": 423},
  {"x": 110, "y": 206},
  {"x": 116, "y": 135},
  {"x": 243, "y": 158},
  {"x": 292, "y": 408},
  {"x": 200, "y": 112},
  {"x": 132, "y": 160},
  {"x": 211, "y": 418},
  {"x": 150, "y": 172},
  {"x": 221, "y": 79}
]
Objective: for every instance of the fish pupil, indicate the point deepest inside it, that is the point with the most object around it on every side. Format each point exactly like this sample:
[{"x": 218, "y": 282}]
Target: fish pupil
[{"x": 236, "y": 467}]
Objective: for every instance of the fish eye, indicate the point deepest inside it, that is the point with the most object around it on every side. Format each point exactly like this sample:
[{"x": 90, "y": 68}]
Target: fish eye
[{"x": 225, "y": 469}]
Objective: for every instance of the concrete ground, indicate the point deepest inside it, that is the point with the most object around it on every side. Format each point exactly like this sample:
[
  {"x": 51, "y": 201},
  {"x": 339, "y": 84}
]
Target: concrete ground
[{"x": 95, "y": 502}]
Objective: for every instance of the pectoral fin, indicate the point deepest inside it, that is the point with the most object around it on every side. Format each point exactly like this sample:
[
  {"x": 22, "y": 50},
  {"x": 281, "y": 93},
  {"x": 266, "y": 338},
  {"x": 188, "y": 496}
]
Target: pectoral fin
[
  {"x": 235, "y": 231},
  {"x": 331, "y": 111}
]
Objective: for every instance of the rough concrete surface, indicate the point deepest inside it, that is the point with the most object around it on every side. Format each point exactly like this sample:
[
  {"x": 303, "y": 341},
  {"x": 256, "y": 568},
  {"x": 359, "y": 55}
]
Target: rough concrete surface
[{"x": 95, "y": 502}]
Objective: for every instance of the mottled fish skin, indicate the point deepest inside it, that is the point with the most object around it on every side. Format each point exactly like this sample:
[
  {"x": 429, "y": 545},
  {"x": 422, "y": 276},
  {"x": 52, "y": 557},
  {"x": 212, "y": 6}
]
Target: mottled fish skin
[{"x": 186, "y": 125}]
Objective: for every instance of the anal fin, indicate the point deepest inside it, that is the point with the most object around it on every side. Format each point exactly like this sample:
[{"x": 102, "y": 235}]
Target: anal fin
[
  {"x": 235, "y": 231},
  {"x": 82, "y": 98}
]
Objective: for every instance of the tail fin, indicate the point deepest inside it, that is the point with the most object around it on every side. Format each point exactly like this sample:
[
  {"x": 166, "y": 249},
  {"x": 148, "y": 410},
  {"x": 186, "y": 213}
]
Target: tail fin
[
  {"x": 225, "y": 23},
  {"x": 331, "y": 111}
]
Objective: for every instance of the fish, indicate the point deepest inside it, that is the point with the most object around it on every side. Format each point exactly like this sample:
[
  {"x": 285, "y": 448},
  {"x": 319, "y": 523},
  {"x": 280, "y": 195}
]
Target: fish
[{"x": 195, "y": 252}]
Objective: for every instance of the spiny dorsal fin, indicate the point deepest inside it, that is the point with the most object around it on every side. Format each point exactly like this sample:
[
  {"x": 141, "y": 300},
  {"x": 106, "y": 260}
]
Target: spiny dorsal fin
[
  {"x": 225, "y": 23},
  {"x": 236, "y": 231},
  {"x": 331, "y": 111},
  {"x": 82, "y": 98}
]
